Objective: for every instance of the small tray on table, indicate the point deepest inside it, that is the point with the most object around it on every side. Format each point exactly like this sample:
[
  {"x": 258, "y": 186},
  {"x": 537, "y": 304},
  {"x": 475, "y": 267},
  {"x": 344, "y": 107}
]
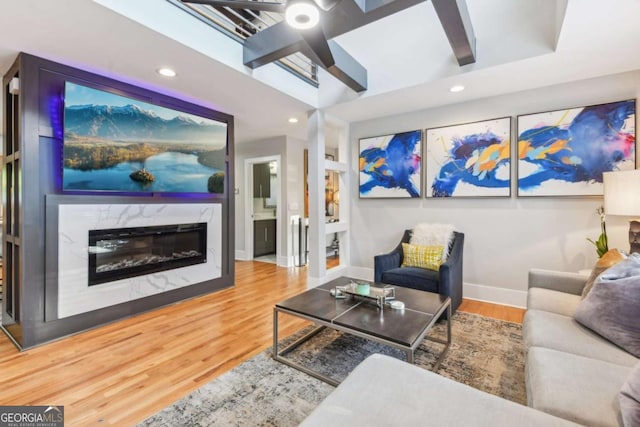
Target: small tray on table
[{"x": 375, "y": 292}]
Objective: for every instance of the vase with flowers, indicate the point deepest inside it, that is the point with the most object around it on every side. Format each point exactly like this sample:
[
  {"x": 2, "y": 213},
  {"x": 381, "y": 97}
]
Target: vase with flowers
[{"x": 602, "y": 244}]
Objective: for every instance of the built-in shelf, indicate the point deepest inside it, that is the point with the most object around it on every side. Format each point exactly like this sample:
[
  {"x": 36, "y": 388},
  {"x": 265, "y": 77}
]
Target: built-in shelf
[
  {"x": 335, "y": 166},
  {"x": 336, "y": 227}
]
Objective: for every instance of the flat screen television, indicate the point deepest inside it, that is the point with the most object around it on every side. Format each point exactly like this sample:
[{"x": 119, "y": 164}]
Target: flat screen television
[{"x": 117, "y": 143}]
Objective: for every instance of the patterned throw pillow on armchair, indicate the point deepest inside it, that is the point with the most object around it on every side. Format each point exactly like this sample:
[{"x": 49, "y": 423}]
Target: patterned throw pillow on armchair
[{"x": 422, "y": 256}]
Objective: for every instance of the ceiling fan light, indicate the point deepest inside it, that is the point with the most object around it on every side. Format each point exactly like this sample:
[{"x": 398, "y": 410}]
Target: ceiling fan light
[{"x": 302, "y": 15}]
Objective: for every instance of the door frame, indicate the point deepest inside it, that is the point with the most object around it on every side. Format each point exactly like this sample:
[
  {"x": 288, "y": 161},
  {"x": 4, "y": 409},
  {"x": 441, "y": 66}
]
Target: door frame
[{"x": 248, "y": 203}]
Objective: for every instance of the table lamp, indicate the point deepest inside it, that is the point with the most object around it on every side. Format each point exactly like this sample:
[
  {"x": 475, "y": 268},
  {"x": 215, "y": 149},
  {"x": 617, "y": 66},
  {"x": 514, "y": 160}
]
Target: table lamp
[{"x": 622, "y": 197}]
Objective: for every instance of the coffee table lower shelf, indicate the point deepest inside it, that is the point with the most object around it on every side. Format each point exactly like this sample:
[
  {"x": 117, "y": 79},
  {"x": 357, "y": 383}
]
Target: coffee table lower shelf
[{"x": 409, "y": 350}]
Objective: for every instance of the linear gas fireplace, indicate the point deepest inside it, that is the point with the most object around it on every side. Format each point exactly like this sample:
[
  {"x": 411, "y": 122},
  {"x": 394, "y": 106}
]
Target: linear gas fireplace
[{"x": 121, "y": 253}]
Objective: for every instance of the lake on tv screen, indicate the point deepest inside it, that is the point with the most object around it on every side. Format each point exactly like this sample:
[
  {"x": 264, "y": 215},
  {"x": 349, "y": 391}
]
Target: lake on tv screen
[{"x": 173, "y": 172}]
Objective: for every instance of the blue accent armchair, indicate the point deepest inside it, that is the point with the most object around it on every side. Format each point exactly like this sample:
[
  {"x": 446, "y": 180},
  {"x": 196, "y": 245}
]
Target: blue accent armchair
[{"x": 447, "y": 281}]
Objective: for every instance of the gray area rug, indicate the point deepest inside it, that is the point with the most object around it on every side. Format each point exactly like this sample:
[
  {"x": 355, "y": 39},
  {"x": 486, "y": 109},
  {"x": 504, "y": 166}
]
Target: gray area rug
[{"x": 485, "y": 353}]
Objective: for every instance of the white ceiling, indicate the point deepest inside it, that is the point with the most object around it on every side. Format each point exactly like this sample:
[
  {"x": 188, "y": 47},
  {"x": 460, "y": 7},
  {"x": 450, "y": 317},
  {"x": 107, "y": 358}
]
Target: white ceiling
[{"x": 521, "y": 44}]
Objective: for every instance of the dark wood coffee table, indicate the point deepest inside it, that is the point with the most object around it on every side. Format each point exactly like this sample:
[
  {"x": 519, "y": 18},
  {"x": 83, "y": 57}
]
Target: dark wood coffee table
[{"x": 402, "y": 329}]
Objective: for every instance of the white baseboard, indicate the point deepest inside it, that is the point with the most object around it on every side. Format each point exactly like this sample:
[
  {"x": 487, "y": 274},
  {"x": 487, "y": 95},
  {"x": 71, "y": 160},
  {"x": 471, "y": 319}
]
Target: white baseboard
[
  {"x": 333, "y": 273},
  {"x": 495, "y": 295},
  {"x": 284, "y": 261},
  {"x": 241, "y": 255},
  {"x": 473, "y": 291}
]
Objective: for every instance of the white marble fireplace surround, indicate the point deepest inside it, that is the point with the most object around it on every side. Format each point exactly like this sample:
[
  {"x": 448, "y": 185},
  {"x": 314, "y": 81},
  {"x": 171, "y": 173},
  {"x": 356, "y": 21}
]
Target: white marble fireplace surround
[{"x": 75, "y": 296}]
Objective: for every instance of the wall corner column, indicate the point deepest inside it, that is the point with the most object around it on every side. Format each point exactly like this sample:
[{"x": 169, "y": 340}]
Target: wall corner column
[{"x": 316, "y": 140}]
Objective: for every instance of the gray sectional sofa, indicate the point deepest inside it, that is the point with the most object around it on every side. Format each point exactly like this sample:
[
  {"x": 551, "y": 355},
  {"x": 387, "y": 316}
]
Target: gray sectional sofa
[
  {"x": 383, "y": 391},
  {"x": 571, "y": 372},
  {"x": 572, "y": 376}
]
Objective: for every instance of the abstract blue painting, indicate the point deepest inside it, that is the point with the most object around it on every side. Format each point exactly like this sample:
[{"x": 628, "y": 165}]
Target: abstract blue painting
[
  {"x": 565, "y": 152},
  {"x": 469, "y": 160},
  {"x": 390, "y": 165}
]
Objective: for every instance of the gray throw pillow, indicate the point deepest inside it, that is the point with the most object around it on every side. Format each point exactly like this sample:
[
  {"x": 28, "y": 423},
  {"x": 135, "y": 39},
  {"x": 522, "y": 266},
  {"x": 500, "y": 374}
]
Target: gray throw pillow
[
  {"x": 629, "y": 399},
  {"x": 606, "y": 261},
  {"x": 611, "y": 309}
]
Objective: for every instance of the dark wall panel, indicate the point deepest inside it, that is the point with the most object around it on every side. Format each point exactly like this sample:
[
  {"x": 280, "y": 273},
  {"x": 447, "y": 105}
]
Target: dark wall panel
[{"x": 41, "y": 115}]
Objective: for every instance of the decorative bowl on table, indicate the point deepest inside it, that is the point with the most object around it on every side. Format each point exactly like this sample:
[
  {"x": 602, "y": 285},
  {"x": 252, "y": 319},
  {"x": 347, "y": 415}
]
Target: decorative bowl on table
[{"x": 363, "y": 288}]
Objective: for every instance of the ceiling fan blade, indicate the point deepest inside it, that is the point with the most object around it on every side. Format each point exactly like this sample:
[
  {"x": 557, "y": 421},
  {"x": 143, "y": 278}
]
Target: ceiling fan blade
[
  {"x": 317, "y": 42},
  {"x": 327, "y": 5},
  {"x": 241, "y": 4}
]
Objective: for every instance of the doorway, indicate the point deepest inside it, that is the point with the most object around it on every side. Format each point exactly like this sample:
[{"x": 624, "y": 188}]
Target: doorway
[{"x": 263, "y": 207}]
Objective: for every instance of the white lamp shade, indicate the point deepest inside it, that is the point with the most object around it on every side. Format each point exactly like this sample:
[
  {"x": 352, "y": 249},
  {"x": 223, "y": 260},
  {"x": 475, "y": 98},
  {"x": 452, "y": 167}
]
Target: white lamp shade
[{"x": 622, "y": 192}]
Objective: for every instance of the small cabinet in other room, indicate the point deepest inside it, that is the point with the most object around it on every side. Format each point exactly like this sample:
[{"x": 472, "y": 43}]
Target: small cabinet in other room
[
  {"x": 261, "y": 181},
  {"x": 264, "y": 237}
]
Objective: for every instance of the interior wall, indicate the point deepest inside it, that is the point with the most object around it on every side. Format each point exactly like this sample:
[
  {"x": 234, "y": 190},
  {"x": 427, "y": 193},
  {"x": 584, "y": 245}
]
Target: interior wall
[
  {"x": 268, "y": 147},
  {"x": 295, "y": 189},
  {"x": 291, "y": 201},
  {"x": 504, "y": 237}
]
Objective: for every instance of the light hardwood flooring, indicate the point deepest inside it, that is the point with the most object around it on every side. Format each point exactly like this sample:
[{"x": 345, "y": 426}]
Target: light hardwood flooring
[
  {"x": 121, "y": 373},
  {"x": 502, "y": 312}
]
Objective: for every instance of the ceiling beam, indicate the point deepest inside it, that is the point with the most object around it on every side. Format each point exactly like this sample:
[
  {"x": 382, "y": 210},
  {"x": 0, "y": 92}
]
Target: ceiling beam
[
  {"x": 281, "y": 40},
  {"x": 271, "y": 44},
  {"x": 454, "y": 17},
  {"x": 345, "y": 68},
  {"x": 351, "y": 14}
]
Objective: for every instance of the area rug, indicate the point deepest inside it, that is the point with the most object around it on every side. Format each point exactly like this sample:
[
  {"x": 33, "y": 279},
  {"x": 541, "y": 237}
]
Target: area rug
[{"x": 485, "y": 353}]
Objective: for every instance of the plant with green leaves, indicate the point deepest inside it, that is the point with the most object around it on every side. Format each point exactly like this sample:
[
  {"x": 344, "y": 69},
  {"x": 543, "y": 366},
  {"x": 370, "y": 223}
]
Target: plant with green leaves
[{"x": 602, "y": 244}]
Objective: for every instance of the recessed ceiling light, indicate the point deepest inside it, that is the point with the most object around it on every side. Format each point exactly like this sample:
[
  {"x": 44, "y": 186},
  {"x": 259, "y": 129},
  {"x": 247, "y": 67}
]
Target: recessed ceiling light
[
  {"x": 167, "y": 72},
  {"x": 302, "y": 15},
  {"x": 456, "y": 88},
  {"x": 293, "y": 120}
]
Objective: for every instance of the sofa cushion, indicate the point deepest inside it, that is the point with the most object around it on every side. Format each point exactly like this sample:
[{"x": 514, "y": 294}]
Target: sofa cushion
[
  {"x": 428, "y": 234},
  {"x": 612, "y": 308},
  {"x": 413, "y": 277},
  {"x": 630, "y": 399},
  {"x": 561, "y": 281},
  {"x": 609, "y": 259},
  {"x": 552, "y": 301},
  {"x": 384, "y": 391},
  {"x": 574, "y": 387},
  {"x": 563, "y": 333},
  {"x": 421, "y": 256}
]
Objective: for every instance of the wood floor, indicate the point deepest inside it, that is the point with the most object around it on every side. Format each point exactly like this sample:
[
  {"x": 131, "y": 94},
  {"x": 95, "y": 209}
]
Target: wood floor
[
  {"x": 121, "y": 373},
  {"x": 502, "y": 312}
]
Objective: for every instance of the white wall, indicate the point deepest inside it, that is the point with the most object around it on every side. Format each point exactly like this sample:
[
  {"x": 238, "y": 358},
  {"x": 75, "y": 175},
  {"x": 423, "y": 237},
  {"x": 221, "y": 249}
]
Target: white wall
[
  {"x": 291, "y": 200},
  {"x": 267, "y": 147},
  {"x": 504, "y": 238},
  {"x": 295, "y": 186}
]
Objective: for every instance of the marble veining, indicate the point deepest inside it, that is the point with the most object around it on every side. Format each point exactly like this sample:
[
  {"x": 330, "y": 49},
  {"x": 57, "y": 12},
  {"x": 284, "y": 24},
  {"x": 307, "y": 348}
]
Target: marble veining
[{"x": 75, "y": 296}]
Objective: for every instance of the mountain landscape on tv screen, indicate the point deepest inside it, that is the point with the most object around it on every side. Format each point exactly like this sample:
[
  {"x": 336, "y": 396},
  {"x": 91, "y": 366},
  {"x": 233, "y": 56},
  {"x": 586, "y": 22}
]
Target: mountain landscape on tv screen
[
  {"x": 132, "y": 148},
  {"x": 131, "y": 123}
]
